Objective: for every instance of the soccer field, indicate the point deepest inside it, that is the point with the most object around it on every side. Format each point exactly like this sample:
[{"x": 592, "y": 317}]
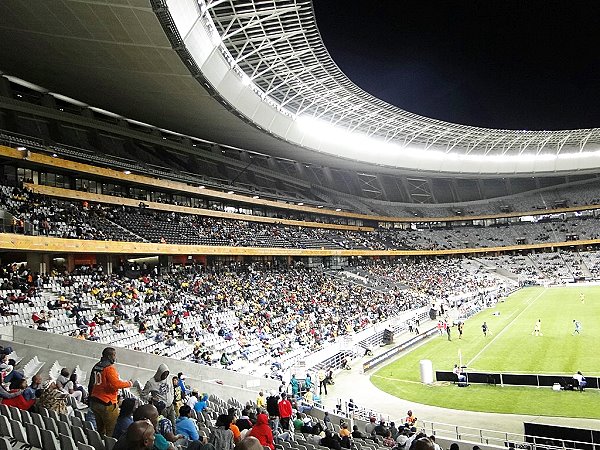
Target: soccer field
[{"x": 511, "y": 347}]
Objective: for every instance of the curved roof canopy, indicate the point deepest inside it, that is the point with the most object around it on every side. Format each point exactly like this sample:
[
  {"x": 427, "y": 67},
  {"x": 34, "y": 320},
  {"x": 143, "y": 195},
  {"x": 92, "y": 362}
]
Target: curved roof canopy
[
  {"x": 267, "y": 59},
  {"x": 256, "y": 75}
]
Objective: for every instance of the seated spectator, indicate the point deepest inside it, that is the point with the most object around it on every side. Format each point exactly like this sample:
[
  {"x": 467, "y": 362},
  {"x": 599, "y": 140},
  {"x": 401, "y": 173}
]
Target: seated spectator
[
  {"x": 388, "y": 440},
  {"x": 202, "y": 404},
  {"x": 221, "y": 436},
  {"x": 370, "y": 427},
  {"x": 331, "y": 441},
  {"x": 298, "y": 422},
  {"x": 16, "y": 397},
  {"x": 244, "y": 422},
  {"x": 149, "y": 415},
  {"x": 8, "y": 372},
  {"x": 125, "y": 418},
  {"x": 164, "y": 425},
  {"x": 232, "y": 426},
  {"x": 263, "y": 432},
  {"x": 185, "y": 426},
  {"x": 393, "y": 430},
  {"x": 357, "y": 434},
  {"x": 63, "y": 378},
  {"x": 224, "y": 361},
  {"x": 402, "y": 438},
  {"x": 139, "y": 436},
  {"x": 424, "y": 443},
  {"x": 249, "y": 443},
  {"x": 381, "y": 429},
  {"x": 36, "y": 383},
  {"x": 344, "y": 431},
  {"x": 74, "y": 389},
  {"x": 52, "y": 398},
  {"x": 460, "y": 376}
]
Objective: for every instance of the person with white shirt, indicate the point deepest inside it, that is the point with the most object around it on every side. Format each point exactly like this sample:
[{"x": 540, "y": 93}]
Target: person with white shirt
[{"x": 581, "y": 381}]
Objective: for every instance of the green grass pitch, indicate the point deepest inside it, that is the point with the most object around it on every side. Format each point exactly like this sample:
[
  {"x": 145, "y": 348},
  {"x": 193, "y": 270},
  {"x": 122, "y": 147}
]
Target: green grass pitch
[{"x": 510, "y": 347}]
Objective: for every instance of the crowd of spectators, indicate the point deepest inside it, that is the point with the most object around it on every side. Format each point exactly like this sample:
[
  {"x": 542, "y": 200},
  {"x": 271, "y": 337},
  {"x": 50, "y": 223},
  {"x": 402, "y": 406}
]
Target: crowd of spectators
[
  {"x": 37, "y": 214},
  {"x": 170, "y": 414}
]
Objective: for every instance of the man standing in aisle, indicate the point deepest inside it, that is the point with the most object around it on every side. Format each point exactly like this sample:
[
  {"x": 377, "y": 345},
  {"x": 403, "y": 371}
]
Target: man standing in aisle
[
  {"x": 103, "y": 389},
  {"x": 285, "y": 412}
]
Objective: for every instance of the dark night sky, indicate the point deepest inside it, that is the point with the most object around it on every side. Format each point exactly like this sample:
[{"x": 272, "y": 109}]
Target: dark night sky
[{"x": 493, "y": 63}]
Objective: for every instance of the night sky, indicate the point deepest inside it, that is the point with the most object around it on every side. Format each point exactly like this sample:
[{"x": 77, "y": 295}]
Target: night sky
[{"x": 494, "y": 63}]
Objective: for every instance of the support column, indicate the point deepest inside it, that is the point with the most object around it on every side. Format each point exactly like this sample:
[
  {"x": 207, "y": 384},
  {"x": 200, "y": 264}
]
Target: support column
[
  {"x": 109, "y": 263},
  {"x": 38, "y": 263},
  {"x": 164, "y": 263}
]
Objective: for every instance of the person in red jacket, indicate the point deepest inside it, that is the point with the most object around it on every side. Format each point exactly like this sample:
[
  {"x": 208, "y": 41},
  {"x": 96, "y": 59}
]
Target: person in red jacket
[
  {"x": 285, "y": 412},
  {"x": 262, "y": 431}
]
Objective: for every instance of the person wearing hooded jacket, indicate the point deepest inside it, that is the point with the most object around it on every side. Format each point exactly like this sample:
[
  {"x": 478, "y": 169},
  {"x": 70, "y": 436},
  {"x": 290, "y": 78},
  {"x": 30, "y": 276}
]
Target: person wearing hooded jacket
[
  {"x": 160, "y": 388},
  {"x": 262, "y": 431}
]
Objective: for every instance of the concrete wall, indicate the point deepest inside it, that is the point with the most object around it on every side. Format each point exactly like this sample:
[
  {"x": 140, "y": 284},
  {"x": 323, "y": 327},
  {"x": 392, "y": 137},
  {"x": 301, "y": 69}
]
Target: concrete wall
[{"x": 131, "y": 364}]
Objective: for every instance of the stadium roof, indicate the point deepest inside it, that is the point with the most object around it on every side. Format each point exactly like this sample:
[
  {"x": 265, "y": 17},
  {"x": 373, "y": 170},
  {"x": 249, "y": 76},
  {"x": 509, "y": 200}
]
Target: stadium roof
[{"x": 265, "y": 62}]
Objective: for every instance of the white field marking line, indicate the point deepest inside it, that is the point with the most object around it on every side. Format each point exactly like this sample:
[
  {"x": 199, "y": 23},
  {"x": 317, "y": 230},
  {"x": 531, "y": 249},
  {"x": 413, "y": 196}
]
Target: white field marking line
[
  {"x": 396, "y": 379},
  {"x": 505, "y": 328}
]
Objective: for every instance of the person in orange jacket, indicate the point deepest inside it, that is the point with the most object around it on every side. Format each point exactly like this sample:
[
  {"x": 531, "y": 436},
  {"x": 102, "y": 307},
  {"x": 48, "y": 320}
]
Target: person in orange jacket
[{"x": 103, "y": 390}]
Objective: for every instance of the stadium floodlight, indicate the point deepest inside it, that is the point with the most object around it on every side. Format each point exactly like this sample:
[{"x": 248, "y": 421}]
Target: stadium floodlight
[
  {"x": 230, "y": 192},
  {"x": 255, "y": 196},
  {"x": 338, "y": 209},
  {"x": 21, "y": 149},
  {"x": 201, "y": 187},
  {"x": 300, "y": 204},
  {"x": 127, "y": 172}
]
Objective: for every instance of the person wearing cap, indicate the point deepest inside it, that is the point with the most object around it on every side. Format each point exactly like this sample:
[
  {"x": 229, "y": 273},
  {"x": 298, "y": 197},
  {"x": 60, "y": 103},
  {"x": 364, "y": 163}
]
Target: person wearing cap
[
  {"x": 102, "y": 391},
  {"x": 285, "y": 412}
]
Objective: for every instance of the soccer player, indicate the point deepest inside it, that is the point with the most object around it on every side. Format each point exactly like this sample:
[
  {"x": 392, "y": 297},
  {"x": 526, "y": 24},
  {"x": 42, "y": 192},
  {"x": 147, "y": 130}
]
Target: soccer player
[
  {"x": 484, "y": 328},
  {"x": 537, "y": 330},
  {"x": 577, "y": 329}
]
